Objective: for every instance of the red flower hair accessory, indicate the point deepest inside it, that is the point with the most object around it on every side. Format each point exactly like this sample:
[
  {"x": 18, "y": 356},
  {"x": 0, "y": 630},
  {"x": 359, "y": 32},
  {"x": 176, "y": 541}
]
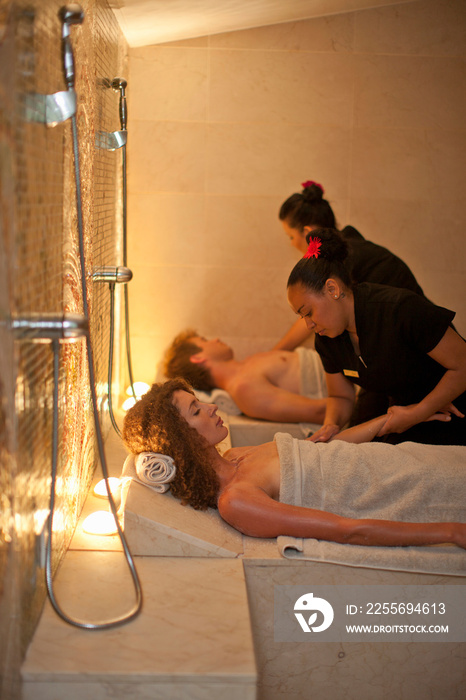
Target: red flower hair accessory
[
  {"x": 313, "y": 250},
  {"x": 309, "y": 183}
]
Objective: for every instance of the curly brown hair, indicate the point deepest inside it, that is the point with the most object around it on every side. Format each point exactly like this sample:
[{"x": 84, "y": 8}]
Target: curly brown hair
[
  {"x": 177, "y": 362},
  {"x": 154, "y": 424}
]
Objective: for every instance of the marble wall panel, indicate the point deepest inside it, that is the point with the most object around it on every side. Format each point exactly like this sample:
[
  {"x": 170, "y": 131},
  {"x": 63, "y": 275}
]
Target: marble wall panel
[
  {"x": 368, "y": 103},
  {"x": 435, "y": 29},
  {"x": 169, "y": 83},
  {"x": 166, "y": 156},
  {"x": 332, "y": 33},
  {"x": 291, "y": 87},
  {"x": 406, "y": 92},
  {"x": 168, "y": 229},
  {"x": 265, "y": 159}
]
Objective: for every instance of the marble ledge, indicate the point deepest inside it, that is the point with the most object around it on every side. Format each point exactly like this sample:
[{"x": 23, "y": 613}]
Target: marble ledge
[{"x": 194, "y": 627}]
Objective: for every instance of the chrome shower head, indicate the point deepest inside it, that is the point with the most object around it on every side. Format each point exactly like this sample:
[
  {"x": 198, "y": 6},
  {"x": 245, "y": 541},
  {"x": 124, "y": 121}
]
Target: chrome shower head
[
  {"x": 119, "y": 84},
  {"x": 69, "y": 15}
]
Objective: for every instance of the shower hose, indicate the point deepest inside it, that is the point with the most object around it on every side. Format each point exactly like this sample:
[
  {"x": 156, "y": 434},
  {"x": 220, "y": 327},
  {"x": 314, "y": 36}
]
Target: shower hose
[{"x": 48, "y": 568}]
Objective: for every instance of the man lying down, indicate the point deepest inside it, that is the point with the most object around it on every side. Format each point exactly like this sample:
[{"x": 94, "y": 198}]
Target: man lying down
[
  {"x": 366, "y": 494},
  {"x": 276, "y": 385}
]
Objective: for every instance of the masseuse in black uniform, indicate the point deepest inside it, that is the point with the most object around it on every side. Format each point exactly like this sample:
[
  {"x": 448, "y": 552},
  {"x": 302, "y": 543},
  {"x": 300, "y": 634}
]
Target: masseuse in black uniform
[
  {"x": 305, "y": 211},
  {"x": 384, "y": 339}
]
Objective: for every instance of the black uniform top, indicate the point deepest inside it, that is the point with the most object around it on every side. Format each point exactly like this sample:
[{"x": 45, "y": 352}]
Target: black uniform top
[
  {"x": 370, "y": 262},
  {"x": 396, "y": 329}
]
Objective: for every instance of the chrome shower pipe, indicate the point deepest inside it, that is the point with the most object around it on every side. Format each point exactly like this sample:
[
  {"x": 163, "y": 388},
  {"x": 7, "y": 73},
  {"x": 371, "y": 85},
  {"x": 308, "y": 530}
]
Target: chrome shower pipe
[
  {"x": 120, "y": 85},
  {"x": 112, "y": 274},
  {"x": 43, "y": 328}
]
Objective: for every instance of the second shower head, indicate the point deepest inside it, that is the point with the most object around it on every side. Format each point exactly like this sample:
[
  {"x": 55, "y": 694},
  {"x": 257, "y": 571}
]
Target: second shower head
[{"x": 69, "y": 15}]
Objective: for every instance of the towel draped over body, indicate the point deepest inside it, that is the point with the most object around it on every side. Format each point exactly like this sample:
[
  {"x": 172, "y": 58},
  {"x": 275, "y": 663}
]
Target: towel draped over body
[
  {"x": 408, "y": 482},
  {"x": 312, "y": 375}
]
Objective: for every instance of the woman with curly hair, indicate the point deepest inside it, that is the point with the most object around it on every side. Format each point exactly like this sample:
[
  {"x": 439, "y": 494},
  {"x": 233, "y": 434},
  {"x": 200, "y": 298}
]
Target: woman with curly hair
[{"x": 255, "y": 491}]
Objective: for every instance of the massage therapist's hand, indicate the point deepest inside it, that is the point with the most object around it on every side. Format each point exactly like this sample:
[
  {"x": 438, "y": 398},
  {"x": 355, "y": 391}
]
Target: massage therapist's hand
[
  {"x": 325, "y": 433},
  {"x": 400, "y": 418}
]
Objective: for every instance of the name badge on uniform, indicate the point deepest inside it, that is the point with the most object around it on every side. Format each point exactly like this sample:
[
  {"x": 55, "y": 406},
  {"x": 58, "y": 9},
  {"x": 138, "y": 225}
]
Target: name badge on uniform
[{"x": 350, "y": 373}]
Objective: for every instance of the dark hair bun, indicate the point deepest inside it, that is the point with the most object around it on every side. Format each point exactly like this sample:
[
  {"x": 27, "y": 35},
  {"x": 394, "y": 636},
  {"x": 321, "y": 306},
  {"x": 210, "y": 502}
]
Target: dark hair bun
[
  {"x": 312, "y": 191},
  {"x": 334, "y": 248}
]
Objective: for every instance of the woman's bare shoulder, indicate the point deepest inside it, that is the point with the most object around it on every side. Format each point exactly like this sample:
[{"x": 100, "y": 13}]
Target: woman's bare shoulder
[{"x": 235, "y": 452}]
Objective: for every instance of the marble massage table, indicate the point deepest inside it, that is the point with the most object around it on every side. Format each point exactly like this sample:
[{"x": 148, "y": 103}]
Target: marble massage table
[{"x": 157, "y": 525}]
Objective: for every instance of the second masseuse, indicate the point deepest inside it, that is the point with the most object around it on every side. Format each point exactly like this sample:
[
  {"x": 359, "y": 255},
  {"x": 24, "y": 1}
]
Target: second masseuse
[{"x": 384, "y": 339}]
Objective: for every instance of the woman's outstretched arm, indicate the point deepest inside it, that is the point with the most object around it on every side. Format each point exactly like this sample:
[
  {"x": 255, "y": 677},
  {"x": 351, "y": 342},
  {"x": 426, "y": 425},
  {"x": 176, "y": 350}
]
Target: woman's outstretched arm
[
  {"x": 365, "y": 432},
  {"x": 340, "y": 402},
  {"x": 450, "y": 352},
  {"x": 251, "y": 511}
]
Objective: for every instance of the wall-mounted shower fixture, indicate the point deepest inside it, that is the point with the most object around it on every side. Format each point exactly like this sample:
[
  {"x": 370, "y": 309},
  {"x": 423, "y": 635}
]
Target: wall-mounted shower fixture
[
  {"x": 120, "y": 85},
  {"x": 56, "y": 328},
  {"x": 112, "y": 141},
  {"x": 69, "y": 15},
  {"x": 42, "y": 328},
  {"x": 112, "y": 275},
  {"x": 60, "y": 106},
  {"x": 50, "y": 109}
]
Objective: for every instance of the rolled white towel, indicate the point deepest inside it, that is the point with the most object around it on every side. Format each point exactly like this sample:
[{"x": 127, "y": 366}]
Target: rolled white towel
[{"x": 155, "y": 469}]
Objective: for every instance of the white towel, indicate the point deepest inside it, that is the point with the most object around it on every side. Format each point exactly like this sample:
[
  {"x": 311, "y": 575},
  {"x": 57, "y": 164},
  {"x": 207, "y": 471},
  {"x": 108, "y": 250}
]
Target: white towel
[
  {"x": 313, "y": 384},
  {"x": 375, "y": 480},
  {"x": 220, "y": 397},
  {"x": 150, "y": 469}
]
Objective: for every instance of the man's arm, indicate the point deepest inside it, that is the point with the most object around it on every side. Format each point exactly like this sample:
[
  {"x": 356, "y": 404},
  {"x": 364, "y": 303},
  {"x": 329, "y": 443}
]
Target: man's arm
[
  {"x": 295, "y": 336},
  {"x": 251, "y": 511},
  {"x": 262, "y": 399}
]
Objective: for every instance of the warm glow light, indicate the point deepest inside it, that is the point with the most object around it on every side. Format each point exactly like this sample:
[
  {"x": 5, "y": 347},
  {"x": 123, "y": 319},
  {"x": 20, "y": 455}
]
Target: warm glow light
[
  {"x": 140, "y": 388},
  {"x": 100, "y": 489},
  {"x": 100, "y": 523}
]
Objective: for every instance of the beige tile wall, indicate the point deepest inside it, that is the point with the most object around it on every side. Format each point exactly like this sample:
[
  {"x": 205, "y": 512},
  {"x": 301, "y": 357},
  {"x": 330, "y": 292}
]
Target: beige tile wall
[{"x": 224, "y": 128}]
